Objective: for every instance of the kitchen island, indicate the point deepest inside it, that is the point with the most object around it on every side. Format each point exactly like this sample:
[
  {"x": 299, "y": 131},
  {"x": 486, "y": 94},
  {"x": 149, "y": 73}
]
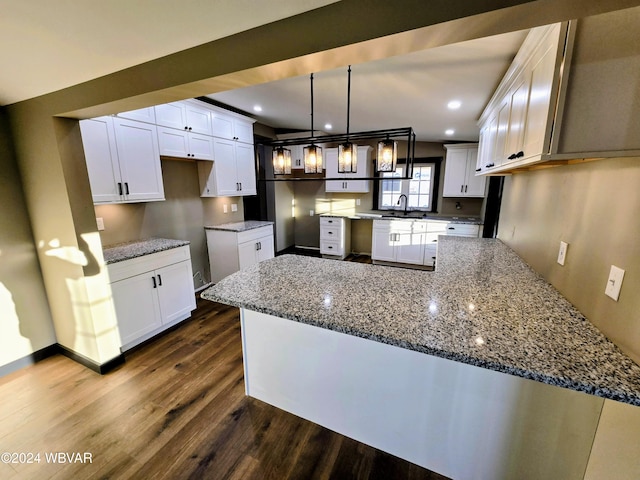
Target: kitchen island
[{"x": 435, "y": 367}]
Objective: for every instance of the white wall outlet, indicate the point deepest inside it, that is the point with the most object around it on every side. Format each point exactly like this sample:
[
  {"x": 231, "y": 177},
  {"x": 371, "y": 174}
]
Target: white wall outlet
[
  {"x": 225, "y": 208},
  {"x": 311, "y": 213},
  {"x": 615, "y": 282},
  {"x": 358, "y": 202},
  {"x": 234, "y": 207},
  {"x": 100, "y": 223},
  {"x": 562, "y": 254}
]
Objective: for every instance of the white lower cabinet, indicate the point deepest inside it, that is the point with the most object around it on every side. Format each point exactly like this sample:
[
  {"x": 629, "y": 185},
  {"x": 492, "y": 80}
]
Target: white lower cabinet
[
  {"x": 399, "y": 241},
  {"x": 335, "y": 237},
  {"x": 151, "y": 293},
  {"x": 413, "y": 241},
  {"x": 230, "y": 251}
]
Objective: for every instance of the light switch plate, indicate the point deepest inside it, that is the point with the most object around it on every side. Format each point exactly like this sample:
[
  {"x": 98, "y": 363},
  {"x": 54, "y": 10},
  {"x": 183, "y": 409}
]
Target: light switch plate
[
  {"x": 100, "y": 223},
  {"x": 234, "y": 207},
  {"x": 225, "y": 208},
  {"x": 614, "y": 283},
  {"x": 562, "y": 253}
]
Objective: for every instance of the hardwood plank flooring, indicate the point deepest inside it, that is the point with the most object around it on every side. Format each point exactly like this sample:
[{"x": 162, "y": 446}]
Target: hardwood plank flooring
[{"x": 175, "y": 410}]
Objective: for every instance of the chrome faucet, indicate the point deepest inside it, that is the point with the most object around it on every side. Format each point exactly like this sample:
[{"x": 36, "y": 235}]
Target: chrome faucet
[{"x": 405, "y": 202}]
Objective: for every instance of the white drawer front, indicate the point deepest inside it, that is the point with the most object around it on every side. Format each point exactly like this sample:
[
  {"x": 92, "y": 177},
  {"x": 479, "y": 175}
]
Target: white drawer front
[
  {"x": 331, "y": 233},
  {"x": 254, "y": 233},
  {"x": 462, "y": 229},
  {"x": 331, "y": 222},
  {"x": 146, "y": 263},
  {"x": 329, "y": 247}
]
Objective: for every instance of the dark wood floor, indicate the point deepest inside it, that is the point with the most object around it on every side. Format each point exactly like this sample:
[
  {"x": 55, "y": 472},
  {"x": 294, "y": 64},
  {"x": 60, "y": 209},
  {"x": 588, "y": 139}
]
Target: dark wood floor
[{"x": 176, "y": 409}]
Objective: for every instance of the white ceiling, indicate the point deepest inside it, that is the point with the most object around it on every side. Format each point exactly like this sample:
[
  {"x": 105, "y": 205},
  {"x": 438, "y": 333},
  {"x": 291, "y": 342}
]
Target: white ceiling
[
  {"x": 46, "y": 46},
  {"x": 404, "y": 91}
]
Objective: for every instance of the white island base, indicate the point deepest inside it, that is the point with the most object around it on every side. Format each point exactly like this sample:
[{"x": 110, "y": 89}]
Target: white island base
[{"x": 459, "y": 420}]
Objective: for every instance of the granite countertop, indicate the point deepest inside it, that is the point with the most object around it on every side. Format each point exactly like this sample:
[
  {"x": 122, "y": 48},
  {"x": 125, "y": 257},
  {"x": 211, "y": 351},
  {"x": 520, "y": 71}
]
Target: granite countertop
[
  {"x": 239, "y": 226},
  {"x": 398, "y": 215},
  {"x": 129, "y": 250},
  {"x": 482, "y": 306}
]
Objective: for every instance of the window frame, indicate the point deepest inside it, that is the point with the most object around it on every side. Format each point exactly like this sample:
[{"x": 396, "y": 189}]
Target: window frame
[{"x": 404, "y": 188}]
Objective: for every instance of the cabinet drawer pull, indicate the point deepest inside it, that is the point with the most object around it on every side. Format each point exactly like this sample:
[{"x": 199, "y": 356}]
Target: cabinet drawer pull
[
  {"x": 451, "y": 228},
  {"x": 155, "y": 285},
  {"x": 478, "y": 169},
  {"x": 329, "y": 247},
  {"x": 159, "y": 280}
]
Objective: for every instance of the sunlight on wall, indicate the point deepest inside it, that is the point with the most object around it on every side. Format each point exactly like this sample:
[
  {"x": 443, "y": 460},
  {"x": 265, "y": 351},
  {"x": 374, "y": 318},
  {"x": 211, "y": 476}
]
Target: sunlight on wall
[
  {"x": 12, "y": 344},
  {"x": 337, "y": 206},
  {"x": 95, "y": 333}
]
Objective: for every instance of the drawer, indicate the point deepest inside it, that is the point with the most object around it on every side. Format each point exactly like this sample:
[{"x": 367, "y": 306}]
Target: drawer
[
  {"x": 331, "y": 233},
  {"x": 147, "y": 263},
  {"x": 430, "y": 252},
  {"x": 330, "y": 247},
  {"x": 432, "y": 238},
  {"x": 437, "y": 226},
  {"x": 255, "y": 233},
  {"x": 462, "y": 229},
  {"x": 331, "y": 222}
]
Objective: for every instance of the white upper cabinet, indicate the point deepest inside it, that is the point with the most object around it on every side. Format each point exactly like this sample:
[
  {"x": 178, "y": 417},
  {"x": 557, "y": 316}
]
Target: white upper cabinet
[
  {"x": 232, "y": 174},
  {"x": 187, "y": 115},
  {"x": 123, "y": 160},
  {"x": 460, "y": 172},
  {"x": 348, "y": 182},
  {"x": 147, "y": 115},
  {"x": 516, "y": 126},
  {"x": 232, "y": 127}
]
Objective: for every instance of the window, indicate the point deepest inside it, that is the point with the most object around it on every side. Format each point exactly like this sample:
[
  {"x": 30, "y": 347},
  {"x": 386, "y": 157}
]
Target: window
[{"x": 418, "y": 189}]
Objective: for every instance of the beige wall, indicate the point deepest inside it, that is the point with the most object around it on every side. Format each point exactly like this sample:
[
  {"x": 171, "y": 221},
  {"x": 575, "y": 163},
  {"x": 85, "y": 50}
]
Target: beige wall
[
  {"x": 181, "y": 216},
  {"x": 25, "y": 319},
  {"x": 594, "y": 207}
]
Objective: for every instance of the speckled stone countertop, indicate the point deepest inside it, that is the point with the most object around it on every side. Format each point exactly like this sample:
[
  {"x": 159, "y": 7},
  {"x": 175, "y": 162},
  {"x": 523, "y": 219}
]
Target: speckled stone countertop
[
  {"x": 482, "y": 306},
  {"x": 399, "y": 216},
  {"x": 239, "y": 226},
  {"x": 129, "y": 250}
]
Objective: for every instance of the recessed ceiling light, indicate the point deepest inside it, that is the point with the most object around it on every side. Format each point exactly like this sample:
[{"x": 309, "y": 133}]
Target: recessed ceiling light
[
  {"x": 454, "y": 104},
  {"x": 450, "y": 131},
  {"x": 257, "y": 108},
  {"x": 328, "y": 126}
]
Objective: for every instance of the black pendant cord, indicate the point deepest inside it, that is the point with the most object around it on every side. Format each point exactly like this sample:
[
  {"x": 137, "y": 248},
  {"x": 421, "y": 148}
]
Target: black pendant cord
[
  {"x": 348, "y": 98},
  {"x": 312, "y": 106}
]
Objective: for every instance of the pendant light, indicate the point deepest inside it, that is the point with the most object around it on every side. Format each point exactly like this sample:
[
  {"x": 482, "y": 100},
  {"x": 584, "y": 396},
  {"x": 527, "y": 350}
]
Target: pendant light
[
  {"x": 281, "y": 161},
  {"x": 347, "y": 151},
  {"x": 387, "y": 155},
  {"x": 312, "y": 153}
]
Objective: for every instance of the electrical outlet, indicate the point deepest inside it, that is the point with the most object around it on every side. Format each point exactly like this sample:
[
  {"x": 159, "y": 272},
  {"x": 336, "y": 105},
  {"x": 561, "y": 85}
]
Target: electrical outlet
[
  {"x": 614, "y": 283},
  {"x": 562, "y": 254},
  {"x": 358, "y": 202},
  {"x": 225, "y": 208},
  {"x": 234, "y": 207},
  {"x": 311, "y": 213},
  {"x": 100, "y": 223}
]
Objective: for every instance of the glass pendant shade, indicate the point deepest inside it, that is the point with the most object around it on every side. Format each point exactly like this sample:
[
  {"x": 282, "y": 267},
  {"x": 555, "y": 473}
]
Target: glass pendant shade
[
  {"x": 281, "y": 161},
  {"x": 347, "y": 158},
  {"x": 387, "y": 156},
  {"x": 313, "y": 159}
]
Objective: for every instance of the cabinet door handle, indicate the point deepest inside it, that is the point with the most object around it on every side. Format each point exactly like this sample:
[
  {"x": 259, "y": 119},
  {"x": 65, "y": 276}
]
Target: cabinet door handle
[
  {"x": 465, "y": 188},
  {"x": 126, "y": 187},
  {"x": 240, "y": 186},
  {"x": 159, "y": 280},
  {"x": 478, "y": 169},
  {"x": 119, "y": 188},
  {"x": 520, "y": 154},
  {"x": 512, "y": 156},
  {"x": 155, "y": 285},
  {"x": 461, "y": 188},
  {"x": 186, "y": 128}
]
